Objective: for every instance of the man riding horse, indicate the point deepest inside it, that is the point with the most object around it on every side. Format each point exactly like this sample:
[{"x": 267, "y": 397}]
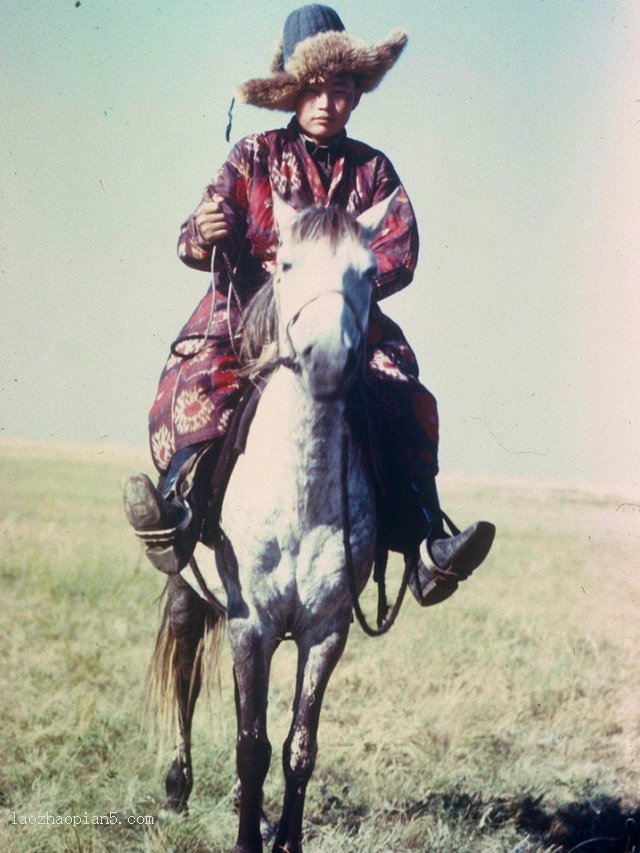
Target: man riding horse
[{"x": 319, "y": 73}]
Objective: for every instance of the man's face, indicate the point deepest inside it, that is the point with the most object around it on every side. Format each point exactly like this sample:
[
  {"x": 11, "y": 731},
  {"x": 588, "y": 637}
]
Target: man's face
[{"x": 325, "y": 105}]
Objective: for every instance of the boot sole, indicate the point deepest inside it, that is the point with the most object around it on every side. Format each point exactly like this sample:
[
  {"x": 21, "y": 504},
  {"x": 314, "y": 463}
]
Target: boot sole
[{"x": 141, "y": 503}]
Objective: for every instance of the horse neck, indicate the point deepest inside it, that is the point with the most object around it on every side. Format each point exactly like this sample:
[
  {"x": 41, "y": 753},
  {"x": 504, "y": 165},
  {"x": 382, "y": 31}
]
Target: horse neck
[{"x": 313, "y": 430}]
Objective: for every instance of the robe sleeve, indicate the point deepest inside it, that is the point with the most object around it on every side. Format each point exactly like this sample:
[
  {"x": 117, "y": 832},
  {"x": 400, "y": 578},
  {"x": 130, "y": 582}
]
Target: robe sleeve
[
  {"x": 396, "y": 247},
  {"x": 229, "y": 187}
]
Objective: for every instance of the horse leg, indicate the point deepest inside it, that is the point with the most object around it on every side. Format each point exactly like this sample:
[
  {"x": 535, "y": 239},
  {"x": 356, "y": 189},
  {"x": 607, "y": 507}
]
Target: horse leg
[
  {"x": 252, "y": 654},
  {"x": 267, "y": 827},
  {"x": 316, "y": 662},
  {"x": 187, "y": 616}
]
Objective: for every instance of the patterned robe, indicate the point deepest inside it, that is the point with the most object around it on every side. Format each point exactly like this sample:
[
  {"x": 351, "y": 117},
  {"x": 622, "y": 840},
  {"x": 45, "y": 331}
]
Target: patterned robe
[{"x": 197, "y": 394}]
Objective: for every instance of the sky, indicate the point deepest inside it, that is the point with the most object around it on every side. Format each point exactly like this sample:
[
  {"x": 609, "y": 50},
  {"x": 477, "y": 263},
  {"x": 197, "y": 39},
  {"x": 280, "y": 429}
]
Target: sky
[{"x": 512, "y": 123}]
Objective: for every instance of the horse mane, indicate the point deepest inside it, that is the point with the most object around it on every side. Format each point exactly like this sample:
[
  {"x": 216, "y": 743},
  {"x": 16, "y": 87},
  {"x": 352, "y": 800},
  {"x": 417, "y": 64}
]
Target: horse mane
[
  {"x": 259, "y": 325},
  {"x": 331, "y": 223}
]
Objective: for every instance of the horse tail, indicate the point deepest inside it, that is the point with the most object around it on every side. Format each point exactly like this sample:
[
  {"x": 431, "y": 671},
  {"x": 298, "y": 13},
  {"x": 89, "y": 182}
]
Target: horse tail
[{"x": 171, "y": 688}]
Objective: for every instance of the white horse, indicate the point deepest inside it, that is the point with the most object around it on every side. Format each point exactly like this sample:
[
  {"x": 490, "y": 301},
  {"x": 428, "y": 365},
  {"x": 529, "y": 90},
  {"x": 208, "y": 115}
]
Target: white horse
[{"x": 281, "y": 565}]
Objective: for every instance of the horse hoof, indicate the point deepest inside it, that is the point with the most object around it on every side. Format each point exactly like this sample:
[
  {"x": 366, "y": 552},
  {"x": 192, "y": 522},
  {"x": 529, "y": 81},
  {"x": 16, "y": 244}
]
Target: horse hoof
[
  {"x": 177, "y": 787},
  {"x": 176, "y": 807}
]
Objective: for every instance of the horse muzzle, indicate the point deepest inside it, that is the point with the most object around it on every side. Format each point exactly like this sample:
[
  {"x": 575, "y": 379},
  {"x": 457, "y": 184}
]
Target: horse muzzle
[{"x": 328, "y": 375}]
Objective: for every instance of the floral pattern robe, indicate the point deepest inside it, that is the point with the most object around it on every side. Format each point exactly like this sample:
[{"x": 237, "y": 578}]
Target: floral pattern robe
[{"x": 197, "y": 394}]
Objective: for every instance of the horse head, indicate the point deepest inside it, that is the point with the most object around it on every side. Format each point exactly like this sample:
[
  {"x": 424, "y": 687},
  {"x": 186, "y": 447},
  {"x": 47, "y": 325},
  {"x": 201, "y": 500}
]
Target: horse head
[{"x": 323, "y": 287}]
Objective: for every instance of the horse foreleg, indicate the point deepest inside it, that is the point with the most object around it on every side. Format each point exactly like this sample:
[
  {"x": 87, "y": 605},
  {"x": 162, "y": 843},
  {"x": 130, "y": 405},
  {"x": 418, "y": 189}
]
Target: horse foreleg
[
  {"x": 187, "y": 616},
  {"x": 267, "y": 827},
  {"x": 252, "y": 654},
  {"x": 316, "y": 662}
]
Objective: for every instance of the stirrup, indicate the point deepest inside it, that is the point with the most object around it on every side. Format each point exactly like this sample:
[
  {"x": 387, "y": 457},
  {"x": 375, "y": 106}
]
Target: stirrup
[
  {"x": 168, "y": 536},
  {"x": 168, "y": 548}
]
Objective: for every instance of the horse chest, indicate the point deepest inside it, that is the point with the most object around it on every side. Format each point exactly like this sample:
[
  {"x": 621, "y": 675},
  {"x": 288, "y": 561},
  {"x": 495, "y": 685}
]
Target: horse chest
[
  {"x": 288, "y": 479},
  {"x": 281, "y": 555},
  {"x": 283, "y": 511},
  {"x": 288, "y": 540}
]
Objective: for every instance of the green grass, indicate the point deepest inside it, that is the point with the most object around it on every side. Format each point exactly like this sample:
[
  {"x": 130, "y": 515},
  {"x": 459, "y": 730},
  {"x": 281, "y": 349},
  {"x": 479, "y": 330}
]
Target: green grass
[{"x": 506, "y": 719}]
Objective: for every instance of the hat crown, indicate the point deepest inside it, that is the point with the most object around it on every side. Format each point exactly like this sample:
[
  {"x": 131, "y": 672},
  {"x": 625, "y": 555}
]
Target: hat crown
[{"x": 306, "y": 22}]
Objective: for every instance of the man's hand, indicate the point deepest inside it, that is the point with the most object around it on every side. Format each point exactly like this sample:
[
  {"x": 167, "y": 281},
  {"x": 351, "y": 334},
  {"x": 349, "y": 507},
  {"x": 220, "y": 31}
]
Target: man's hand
[{"x": 211, "y": 222}]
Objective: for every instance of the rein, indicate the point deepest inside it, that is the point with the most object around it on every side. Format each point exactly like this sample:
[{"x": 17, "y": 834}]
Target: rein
[
  {"x": 386, "y": 618},
  {"x": 385, "y": 621},
  {"x": 210, "y": 598},
  {"x": 206, "y": 336}
]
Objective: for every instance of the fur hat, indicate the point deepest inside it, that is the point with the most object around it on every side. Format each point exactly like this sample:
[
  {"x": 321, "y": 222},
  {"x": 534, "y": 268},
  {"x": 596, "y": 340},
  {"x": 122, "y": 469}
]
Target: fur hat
[{"x": 315, "y": 44}]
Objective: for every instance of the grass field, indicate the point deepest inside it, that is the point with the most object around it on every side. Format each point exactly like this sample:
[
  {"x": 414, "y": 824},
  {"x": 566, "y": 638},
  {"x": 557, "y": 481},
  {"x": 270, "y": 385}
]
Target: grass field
[{"x": 506, "y": 719}]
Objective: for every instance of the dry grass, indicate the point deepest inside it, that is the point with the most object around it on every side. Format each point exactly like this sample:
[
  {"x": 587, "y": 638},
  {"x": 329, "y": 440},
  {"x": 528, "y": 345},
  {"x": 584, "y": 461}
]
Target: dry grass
[{"x": 504, "y": 720}]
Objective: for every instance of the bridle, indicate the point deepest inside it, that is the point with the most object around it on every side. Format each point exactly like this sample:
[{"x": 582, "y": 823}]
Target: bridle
[
  {"x": 386, "y": 616},
  {"x": 292, "y": 361}
]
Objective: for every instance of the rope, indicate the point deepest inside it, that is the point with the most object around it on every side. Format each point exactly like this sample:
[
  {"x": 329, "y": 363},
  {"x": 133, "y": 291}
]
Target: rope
[
  {"x": 209, "y": 596},
  {"x": 206, "y": 335},
  {"x": 384, "y": 624}
]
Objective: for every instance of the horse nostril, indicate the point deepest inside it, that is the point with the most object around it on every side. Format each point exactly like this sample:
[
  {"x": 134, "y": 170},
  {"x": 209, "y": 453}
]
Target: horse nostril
[{"x": 306, "y": 352}]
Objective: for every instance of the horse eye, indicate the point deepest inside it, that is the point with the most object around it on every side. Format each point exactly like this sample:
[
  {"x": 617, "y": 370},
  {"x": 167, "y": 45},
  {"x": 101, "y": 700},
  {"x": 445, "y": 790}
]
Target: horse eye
[
  {"x": 285, "y": 266},
  {"x": 371, "y": 273}
]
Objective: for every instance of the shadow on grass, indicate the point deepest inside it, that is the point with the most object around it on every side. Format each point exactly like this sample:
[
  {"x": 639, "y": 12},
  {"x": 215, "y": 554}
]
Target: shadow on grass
[{"x": 598, "y": 824}]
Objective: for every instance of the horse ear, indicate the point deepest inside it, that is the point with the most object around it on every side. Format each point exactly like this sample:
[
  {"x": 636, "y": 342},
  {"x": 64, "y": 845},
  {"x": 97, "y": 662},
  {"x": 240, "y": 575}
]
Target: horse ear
[
  {"x": 283, "y": 215},
  {"x": 372, "y": 219}
]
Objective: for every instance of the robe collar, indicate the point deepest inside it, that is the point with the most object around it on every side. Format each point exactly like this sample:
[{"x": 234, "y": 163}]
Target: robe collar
[{"x": 327, "y": 162}]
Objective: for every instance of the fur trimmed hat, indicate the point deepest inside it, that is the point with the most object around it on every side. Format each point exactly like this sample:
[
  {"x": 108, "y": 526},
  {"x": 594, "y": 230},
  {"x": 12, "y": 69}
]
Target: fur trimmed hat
[{"x": 315, "y": 44}]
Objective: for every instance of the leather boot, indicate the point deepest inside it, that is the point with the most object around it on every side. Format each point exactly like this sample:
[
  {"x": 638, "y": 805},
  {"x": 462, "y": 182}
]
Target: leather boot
[
  {"x": 445, "y": 562},
  {"x": 165, "y": 526}
]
